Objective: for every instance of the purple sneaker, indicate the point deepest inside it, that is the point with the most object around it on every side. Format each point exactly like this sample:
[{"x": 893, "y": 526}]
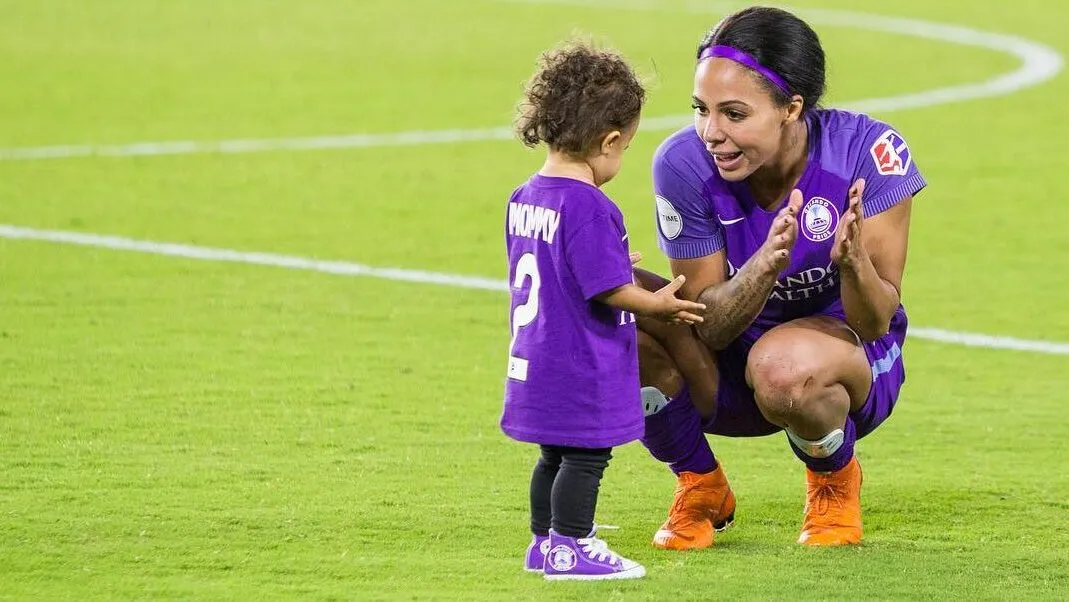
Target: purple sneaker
[
  {"x": 587, "y": 558},
  {"x": 536, "y": 554}
]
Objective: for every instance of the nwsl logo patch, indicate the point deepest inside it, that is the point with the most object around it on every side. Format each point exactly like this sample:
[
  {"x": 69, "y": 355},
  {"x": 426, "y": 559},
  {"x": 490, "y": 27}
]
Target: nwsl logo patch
[{"x": 891, "y": 154}]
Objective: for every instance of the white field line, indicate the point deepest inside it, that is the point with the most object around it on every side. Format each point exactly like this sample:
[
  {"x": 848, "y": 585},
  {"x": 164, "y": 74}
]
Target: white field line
[
  {"x": 344, "y": 268},
  {"x": 1039, "y": 63}
]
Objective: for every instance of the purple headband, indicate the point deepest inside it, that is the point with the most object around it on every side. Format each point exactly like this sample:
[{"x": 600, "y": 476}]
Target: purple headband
[{"x": 740, "y": 57}]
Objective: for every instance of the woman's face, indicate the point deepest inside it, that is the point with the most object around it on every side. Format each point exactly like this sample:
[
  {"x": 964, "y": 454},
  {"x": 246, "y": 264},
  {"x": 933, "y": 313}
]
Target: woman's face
[{"x": 737, "y": 118}]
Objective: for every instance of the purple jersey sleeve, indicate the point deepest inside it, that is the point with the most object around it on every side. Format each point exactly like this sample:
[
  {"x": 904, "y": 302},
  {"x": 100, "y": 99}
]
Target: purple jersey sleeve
[
  {"x": 597, "y": 254},
  {"x": 890, "y": 173},
  {"x": 686, "y": 221}
]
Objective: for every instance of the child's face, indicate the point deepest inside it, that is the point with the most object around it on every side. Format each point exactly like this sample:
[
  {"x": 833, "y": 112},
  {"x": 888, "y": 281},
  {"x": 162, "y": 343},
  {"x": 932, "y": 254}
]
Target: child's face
[{"x": 607, "y": 160}]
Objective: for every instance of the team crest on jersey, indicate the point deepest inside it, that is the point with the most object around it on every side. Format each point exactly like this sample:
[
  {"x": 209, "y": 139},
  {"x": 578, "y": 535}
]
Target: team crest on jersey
[
  {"x": 819, "y": 219},
  {"x": 891, "y": 154}
]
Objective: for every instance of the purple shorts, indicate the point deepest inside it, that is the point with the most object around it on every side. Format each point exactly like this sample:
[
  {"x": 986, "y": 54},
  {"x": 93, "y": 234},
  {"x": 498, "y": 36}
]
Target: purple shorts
[{"x": 737, "y": 414}]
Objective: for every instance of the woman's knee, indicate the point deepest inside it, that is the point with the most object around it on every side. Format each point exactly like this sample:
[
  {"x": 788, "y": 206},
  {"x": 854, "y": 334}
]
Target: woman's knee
[
  {"x": 789, "y": 380},
  {"x": 781, "y": 392}
]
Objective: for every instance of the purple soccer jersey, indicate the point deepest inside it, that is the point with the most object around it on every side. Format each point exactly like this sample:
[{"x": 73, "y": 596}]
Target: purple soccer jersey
[
  {"x": 572, "y": 377},
  {"x": 699, "y": 213}
]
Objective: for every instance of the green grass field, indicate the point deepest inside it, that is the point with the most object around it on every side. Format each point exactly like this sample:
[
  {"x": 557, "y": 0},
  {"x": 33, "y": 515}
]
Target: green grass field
[{"x": 182, "y": 429}]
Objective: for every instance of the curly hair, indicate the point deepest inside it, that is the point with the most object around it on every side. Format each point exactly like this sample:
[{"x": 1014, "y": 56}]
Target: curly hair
[{"x": 578, "y": 95}]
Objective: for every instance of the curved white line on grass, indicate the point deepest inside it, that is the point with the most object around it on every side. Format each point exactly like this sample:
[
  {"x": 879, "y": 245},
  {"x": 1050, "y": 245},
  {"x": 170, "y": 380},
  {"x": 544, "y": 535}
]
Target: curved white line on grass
[
  {"x": 1039, "y": 63},
  {"x": 345, "y": 268}
]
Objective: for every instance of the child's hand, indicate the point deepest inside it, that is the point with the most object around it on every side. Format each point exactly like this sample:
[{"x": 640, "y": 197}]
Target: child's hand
[{"x": 673, "y": 310}]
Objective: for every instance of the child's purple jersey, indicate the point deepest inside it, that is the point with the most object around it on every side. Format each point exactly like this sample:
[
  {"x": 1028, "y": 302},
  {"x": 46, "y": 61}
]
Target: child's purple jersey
[
  {"x": 573, "y": 362},
  {"x": 699, "y": 213}
]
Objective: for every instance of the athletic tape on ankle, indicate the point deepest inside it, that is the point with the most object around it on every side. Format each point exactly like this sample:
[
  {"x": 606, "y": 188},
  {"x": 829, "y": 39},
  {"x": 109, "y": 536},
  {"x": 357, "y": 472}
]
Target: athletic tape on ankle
[{"x": 819, "y": 449}]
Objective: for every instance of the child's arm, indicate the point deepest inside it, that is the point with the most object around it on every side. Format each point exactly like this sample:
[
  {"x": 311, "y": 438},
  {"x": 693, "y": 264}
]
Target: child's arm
[{"x": 662, "y": 305}]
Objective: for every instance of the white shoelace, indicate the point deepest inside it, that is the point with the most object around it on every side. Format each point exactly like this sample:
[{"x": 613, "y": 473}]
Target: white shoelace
[{"x": 597, "y": 549}]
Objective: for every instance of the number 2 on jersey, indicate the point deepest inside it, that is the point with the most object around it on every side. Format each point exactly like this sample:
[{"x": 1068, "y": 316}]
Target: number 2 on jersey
[{"x": 525, "y": 313}]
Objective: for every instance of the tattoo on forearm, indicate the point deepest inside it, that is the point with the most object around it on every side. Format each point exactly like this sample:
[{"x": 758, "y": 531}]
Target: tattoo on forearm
[{"x": 731, "y": 306}]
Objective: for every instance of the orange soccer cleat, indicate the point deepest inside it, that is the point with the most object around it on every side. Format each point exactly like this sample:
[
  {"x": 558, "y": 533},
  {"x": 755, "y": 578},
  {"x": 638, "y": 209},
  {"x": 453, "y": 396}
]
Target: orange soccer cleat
[
  {"x": 703, "y": 504},
  {"x": 833, "y": 507}
]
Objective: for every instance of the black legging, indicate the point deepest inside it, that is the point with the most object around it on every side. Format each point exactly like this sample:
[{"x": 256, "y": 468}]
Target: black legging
[{"x": 564, "y": 489}]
